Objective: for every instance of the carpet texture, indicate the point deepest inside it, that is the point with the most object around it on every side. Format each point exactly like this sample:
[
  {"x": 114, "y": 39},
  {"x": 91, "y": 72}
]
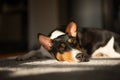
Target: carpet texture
[{"x": 48, "y": 69}]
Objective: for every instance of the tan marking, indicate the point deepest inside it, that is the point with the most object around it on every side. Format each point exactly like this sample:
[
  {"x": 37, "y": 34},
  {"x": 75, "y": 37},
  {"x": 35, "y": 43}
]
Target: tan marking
[
  {"x": 78, "y": 47},
  {"x": 70, "y": 40},
  {"x": 63, "y": 45},
  {"x": 59, "y": 56},
  {"x": 100, "y": 55},
  {"x": 66, "y": 56}
]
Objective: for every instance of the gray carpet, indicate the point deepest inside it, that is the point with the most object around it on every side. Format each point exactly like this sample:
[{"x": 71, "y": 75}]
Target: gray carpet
[{"x": 47, "y": 69}]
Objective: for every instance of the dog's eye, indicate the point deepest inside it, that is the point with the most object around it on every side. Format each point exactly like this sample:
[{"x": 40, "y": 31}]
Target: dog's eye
[
  {"x": 63, "y": 45},
  {"x": 70, "y": 40}
]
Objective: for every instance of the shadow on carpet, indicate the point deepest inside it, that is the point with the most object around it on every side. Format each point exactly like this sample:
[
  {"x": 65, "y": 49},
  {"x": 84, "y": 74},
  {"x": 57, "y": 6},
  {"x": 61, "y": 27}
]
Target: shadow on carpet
[{"x": 48, "y": 69}]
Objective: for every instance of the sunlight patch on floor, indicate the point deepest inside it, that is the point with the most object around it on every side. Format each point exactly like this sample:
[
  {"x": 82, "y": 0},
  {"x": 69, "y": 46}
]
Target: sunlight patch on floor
[{"x": 53, "y": 66}]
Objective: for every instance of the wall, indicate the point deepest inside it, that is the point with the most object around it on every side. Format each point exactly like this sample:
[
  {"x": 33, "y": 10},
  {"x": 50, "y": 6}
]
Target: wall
[
  {"x": 87, "y": 12},
  {"x": 43, "y": 17},
  {"x": 46, "y": 15}
]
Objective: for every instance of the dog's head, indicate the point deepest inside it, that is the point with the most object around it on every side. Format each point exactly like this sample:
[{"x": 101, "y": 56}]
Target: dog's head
[{"x": 65, "y": 46}]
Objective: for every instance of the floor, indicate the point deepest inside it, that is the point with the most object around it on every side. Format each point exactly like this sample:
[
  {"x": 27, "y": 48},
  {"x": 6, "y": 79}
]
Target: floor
[
  {"x": 6, "y": 55},
  {"x": 50, "y": 69}
]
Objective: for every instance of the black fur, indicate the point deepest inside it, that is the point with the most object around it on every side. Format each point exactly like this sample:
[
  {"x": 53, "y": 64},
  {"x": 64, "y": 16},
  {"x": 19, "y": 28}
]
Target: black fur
[{"x": 92, "y": 38}]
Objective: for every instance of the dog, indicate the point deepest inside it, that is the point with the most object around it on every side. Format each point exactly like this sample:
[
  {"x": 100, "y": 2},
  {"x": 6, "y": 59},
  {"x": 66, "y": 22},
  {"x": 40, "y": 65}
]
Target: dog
[{"x": 78, "y": 44}]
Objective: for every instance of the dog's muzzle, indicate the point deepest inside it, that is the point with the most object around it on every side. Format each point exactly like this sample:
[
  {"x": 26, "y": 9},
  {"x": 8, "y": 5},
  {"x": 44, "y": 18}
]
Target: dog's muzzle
[{"x": 82, "y": 57}]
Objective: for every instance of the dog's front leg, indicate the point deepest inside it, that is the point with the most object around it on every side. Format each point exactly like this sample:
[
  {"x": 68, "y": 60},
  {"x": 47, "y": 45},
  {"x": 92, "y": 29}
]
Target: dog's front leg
[
  {"x": 40, "y": 53},
  {"x": 29, "y": 55}
]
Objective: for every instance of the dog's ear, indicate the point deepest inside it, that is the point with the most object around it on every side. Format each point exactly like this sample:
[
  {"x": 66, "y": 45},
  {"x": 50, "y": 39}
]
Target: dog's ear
[
  {"x": 45, "y": 41},
  {"x": 71, "y": 29}
]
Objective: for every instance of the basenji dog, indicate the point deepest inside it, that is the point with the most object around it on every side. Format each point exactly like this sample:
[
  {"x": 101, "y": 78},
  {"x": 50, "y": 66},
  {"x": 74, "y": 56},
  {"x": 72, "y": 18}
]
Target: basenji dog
[{"x": 78, "y": 44}]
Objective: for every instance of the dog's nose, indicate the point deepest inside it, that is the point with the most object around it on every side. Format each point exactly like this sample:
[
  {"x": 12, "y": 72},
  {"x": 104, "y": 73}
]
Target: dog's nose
[{"x": 82, "y": 57}]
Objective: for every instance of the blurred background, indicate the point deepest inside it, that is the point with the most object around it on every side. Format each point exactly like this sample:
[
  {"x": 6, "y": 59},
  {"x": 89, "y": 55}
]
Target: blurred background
[{"x": 21, "y": 20}]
